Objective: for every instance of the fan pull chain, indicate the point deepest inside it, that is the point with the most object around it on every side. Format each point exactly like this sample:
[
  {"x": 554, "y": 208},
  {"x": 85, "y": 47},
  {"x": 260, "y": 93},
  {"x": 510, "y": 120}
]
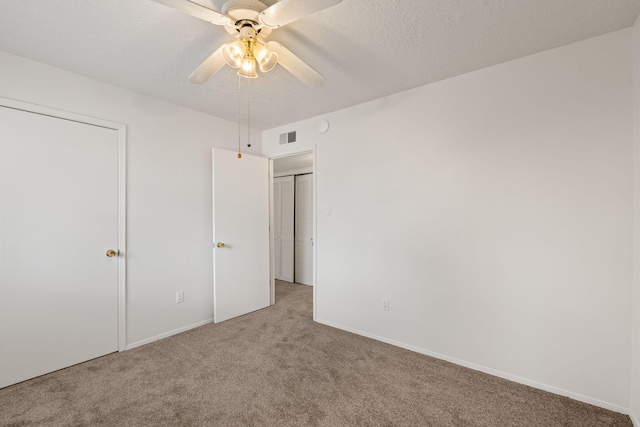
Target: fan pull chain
[
  {"x": 249, "y": 114},
  {"x": 239, "y": 112}
]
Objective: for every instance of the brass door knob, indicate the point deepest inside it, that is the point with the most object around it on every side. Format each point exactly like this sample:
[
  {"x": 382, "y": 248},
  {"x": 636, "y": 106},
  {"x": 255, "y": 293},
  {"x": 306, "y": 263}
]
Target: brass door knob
[
  {"x": 111, "y": 253},
  {"x": 220, "y": 245}
]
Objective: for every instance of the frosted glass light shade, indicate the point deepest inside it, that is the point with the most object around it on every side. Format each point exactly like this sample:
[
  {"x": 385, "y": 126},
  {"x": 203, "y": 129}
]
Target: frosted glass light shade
[
  {"x": 266, "y": 59},
  {"x": 248, "y": 68},
  {"x": 269, "y": 62},
  {"x": 233, "y": 53}
]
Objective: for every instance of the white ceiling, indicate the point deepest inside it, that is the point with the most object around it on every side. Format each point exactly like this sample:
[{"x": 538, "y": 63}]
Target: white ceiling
[{"x": 366, "y": 49}]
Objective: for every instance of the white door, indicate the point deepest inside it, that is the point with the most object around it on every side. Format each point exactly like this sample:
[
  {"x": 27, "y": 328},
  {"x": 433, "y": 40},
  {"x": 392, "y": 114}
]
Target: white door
[
  {"x": 58, "y": 218},
  {"x": 241, "y": 270},
  {"x": 283, "y": 224},
  {"x": 304, "y": 229}
]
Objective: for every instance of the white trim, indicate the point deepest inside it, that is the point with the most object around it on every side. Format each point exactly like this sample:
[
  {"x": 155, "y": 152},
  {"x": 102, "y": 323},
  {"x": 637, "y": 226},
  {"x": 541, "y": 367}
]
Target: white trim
[
  {"x": 315, "y": 235},
  {"x": 490, "y": 371},
  {"x": 62, "y": 114},
  {"x": 634, "y": 419},
  {"x": 272, "y": 246},
  {"x": 213, "y": 235},
  {"x": 122, "y": 237},
  {"x": 122, "y": 198},
  {"x": 168, "y": 334}
]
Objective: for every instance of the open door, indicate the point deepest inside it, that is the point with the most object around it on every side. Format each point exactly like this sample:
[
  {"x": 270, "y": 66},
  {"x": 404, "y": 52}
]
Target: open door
[
  {"x": 304, "y": 229},
  {"x": 283, "y": 221},
  {"x": 241, "y": 276}
]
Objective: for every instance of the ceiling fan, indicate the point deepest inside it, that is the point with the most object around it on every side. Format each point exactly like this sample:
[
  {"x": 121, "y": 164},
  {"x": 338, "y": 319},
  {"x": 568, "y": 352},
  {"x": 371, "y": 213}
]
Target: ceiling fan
[{"x": 251, "y": 22}]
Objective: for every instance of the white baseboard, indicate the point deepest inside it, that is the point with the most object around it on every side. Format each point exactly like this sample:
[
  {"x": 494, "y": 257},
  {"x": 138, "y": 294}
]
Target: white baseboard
[
  {"x": 514, "y": 378},
  {"x": 634, "y": 419},
  {"x": 167, "y": 334}
]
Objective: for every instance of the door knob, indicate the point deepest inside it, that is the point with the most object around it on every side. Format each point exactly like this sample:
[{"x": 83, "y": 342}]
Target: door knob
[
  {"x": 220, "y": 245},
  {"x": 111, "y": 253}
]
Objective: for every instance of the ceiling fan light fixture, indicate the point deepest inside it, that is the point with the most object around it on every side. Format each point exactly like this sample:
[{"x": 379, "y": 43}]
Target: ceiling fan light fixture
[
  {"x": 269, "y": 62},
  {"x": 250, "y": 21},
  {"x": 233, "y": 53},
  {"x": 248, "y": 68},
  {"x": 266, "y": 59}
]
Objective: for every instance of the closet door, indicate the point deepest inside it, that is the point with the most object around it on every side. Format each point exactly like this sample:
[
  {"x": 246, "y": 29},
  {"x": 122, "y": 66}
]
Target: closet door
[
  {"x": 283, "y": 212},
  {"x": 304, "y": 229},
  {"x": 58, "y": 221}
]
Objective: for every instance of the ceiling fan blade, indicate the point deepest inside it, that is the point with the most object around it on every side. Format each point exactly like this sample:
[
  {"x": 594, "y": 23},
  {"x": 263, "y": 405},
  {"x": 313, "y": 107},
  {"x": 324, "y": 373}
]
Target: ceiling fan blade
[
  {"x": 296, "y": 66},
  {"x": 209, "y": 67},
  {"x": 197, "y": 10},
  {"x": 286, "y": 11}
]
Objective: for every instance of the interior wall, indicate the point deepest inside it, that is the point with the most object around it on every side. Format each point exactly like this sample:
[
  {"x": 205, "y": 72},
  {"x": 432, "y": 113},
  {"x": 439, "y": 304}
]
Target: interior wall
[
  {"x": 494, "y": 211},
  {"x": 635, "y": 373},
  {"x": 169, "y": 226}
]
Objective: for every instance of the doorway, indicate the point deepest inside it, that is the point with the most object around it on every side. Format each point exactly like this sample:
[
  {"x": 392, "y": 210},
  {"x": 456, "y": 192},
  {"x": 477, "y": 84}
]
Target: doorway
[{"x": 293, "y": 213}]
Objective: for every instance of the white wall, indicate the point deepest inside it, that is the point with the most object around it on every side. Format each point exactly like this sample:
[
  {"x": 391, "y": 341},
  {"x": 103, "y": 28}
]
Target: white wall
[
  {"x": 168, "y": 189},
  {"x": 494, "y": 210},
  {"x": 635, "y": 355}
]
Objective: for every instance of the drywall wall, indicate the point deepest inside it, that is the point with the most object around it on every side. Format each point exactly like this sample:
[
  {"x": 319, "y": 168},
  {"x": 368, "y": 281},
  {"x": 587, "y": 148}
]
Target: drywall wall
[
  {"x": 635, "y": 355},
  {"x": 168, "y": 189},
  {"x": 494, "y": 211}
]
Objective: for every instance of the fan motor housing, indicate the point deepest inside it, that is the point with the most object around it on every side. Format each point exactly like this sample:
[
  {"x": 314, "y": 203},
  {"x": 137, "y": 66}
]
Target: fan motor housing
[{"x": 244, "y": 10}]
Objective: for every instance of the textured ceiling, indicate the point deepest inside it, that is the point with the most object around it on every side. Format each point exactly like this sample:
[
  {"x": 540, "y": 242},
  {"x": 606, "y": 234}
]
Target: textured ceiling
[{"x": 366, "y": 49}]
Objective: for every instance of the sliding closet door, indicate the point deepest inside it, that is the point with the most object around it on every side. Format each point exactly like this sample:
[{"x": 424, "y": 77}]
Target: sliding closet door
[
  {"x": 283, "y": 213},
  {"x": 304, "y": 229}
]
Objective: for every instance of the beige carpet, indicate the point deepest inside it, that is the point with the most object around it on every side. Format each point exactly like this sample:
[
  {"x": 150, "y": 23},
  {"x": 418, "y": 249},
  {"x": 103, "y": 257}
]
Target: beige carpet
[{"x": 275, "y": 367}]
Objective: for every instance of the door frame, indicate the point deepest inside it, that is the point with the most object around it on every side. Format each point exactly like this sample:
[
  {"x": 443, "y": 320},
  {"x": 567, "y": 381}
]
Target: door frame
[
  {"x": 304, "y": 150},
  {"x": 122, "y": 187}
]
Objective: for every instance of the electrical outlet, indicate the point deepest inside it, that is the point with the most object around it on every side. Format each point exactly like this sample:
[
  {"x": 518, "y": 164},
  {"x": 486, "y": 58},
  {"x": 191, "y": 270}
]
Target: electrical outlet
[
  {"x": 179, "y": 297},
  {"x": 385, "y": 304}
]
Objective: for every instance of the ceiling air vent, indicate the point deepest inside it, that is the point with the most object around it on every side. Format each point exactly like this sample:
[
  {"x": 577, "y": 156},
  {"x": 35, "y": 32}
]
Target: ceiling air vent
[{"x": 287, "y": 137}]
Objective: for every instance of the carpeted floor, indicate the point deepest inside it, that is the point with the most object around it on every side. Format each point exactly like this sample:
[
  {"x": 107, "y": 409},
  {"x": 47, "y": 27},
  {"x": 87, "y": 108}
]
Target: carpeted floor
[{"x": 275, "y": 367}]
